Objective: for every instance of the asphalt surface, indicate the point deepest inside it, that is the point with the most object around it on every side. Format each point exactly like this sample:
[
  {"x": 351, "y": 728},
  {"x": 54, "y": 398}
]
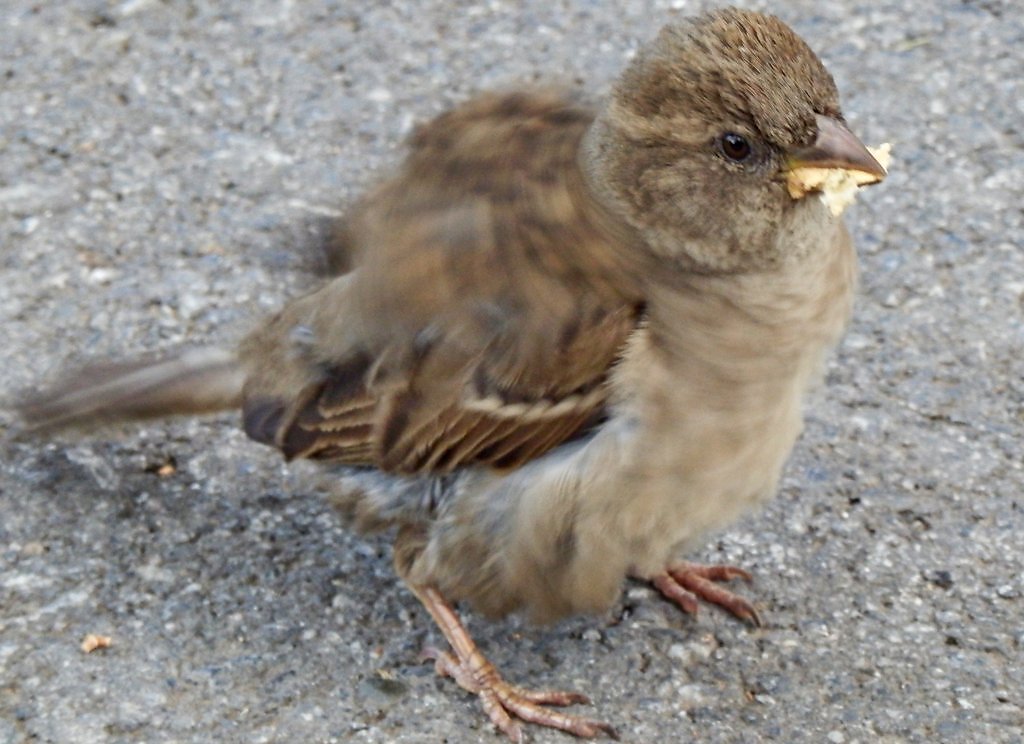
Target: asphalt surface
[{"x": 166, "y": 174}]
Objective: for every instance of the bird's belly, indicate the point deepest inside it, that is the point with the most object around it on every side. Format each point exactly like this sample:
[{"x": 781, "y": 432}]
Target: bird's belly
[
  {"x": 687, "y": 482},
  {"x": 559, "y": 535}
]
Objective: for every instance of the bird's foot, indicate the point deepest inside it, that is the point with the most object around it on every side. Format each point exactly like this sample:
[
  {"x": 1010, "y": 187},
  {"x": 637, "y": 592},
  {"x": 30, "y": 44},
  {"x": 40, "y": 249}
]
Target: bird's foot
[
  {"x": 685, "y": 584},
  {"x": 505, "y": 704}
]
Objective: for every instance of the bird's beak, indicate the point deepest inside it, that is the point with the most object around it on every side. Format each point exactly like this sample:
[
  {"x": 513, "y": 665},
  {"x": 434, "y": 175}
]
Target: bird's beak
[{"x": 836, "y": 147}]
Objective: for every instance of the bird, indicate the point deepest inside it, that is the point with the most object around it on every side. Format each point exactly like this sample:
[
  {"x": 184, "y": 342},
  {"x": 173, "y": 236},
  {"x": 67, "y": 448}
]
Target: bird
[{"x": 572, "y": 340}]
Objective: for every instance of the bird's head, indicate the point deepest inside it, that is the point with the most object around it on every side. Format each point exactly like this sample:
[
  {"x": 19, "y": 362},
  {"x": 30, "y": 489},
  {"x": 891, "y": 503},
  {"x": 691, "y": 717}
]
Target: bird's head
[{"x": 708, "y": 138}]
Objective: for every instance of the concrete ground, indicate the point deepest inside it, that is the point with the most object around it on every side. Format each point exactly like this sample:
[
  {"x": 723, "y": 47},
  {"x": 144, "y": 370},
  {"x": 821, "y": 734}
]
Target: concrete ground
[{"x": 166, "y": 173}]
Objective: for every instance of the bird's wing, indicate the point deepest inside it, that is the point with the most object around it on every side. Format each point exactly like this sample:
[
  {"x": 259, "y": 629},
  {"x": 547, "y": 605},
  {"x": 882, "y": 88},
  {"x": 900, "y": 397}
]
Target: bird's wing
[{"x": 491, "y": 297}]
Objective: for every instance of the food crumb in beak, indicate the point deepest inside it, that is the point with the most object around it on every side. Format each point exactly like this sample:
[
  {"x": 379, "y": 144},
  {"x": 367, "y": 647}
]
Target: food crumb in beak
[{"x": 837, "y": 186}]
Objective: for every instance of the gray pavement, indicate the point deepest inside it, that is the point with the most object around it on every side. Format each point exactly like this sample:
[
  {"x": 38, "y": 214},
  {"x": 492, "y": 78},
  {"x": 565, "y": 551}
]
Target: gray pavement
[{"x": 166, "y": 171}]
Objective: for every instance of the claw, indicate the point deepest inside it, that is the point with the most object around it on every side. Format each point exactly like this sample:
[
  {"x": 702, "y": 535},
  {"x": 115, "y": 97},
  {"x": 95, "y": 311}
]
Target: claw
[
  {"x": 685, "y": 584},
  {"x": 505, "y": 704}
]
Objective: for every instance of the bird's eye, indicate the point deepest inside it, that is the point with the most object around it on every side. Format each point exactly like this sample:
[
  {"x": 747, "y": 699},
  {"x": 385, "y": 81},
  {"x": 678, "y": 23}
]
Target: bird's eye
[{"x": 735, "y": 147}]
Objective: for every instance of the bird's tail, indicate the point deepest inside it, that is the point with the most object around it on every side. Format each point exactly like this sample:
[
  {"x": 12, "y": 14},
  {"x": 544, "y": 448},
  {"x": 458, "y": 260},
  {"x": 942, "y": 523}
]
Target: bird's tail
[{"x": 192, "y": 382}]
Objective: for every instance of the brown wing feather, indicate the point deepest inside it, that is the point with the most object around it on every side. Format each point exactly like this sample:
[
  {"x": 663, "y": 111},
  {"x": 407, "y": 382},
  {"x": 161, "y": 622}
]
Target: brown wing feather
[{"x": 490, "y": 297}]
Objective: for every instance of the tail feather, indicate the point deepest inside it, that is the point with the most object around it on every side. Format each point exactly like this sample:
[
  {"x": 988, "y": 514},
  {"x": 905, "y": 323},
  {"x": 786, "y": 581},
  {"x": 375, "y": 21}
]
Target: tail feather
[{"x": 193, "y": 382}]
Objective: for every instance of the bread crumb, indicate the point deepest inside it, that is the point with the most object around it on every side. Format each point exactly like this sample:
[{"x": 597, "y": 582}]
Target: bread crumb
[
  {"x": 837, "y": 186},
  {"x": 92, "y": 641}
]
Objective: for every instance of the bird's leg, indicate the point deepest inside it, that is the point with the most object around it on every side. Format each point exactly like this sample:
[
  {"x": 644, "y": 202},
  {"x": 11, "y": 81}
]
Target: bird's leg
[
  {"x": 687, "y": 583},
  {"x": 504, "y": 703}
]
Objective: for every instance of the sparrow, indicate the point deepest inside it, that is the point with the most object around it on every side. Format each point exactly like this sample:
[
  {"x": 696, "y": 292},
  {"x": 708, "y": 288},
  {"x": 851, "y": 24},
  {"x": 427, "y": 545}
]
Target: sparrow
[{"x": 572, "y": 342}]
